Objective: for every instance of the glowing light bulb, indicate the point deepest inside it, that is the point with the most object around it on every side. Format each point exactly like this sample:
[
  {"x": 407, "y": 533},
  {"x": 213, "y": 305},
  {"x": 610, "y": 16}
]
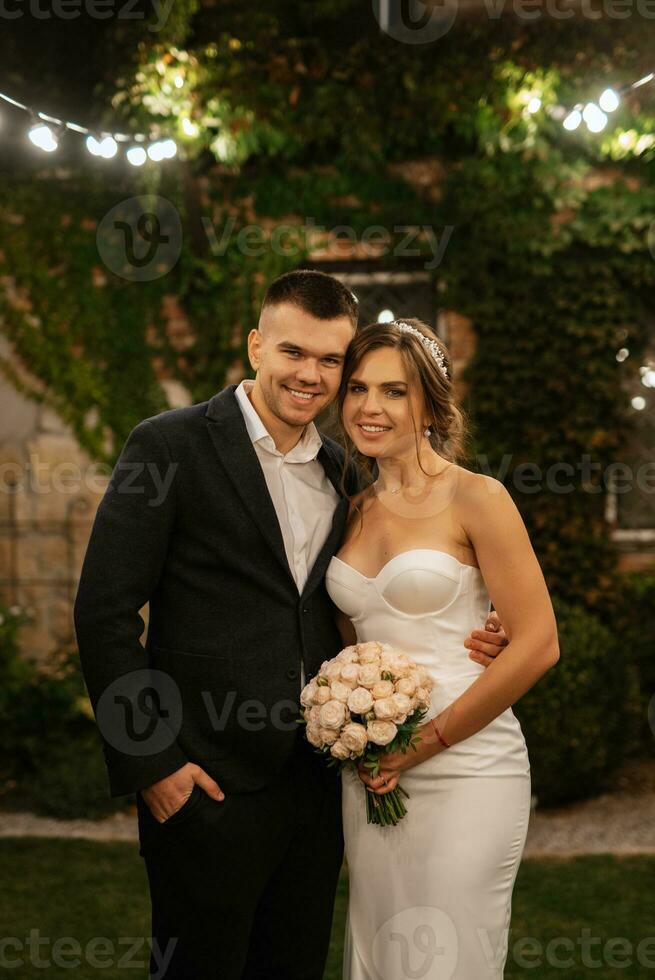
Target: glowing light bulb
[
  {"x": 43, "y": 137},
  {"x": 169, "y": 148},
  {"x": 573, "y": 120},
  {"x": 534, "y": 105},
  {"x": 156, "y": 152},
  {"x": 386, "y": 316},
  {"x": 594, "y": 117},
  {"x": 108, "y": 147},
  {"x": 137, "y": 156},
  {"x": 189, "y": 128},
  {"x": 609, "y": 100}
]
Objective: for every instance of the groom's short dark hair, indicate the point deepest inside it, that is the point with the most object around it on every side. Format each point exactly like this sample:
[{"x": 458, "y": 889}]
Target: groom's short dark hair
[{"x": 317, "y": 293}]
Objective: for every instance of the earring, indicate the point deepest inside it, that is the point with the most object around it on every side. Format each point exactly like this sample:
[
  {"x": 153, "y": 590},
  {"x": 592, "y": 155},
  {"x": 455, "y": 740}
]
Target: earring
[{"x": 428, "y": 432}]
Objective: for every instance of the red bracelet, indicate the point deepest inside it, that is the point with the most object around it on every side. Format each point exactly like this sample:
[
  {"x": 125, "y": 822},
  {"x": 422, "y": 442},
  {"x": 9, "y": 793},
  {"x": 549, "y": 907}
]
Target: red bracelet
[{"x": 439, "y": 735}]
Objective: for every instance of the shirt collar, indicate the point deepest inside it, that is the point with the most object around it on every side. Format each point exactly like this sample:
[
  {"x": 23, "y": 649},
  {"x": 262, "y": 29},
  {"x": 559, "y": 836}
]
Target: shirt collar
[{"x": 307, "y": 447}]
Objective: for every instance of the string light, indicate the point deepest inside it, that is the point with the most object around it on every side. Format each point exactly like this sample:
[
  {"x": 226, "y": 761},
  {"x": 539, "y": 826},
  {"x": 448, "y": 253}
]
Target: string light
[
  {"x": 46, "y": 131},
  {"x": 594, "y": 114}
]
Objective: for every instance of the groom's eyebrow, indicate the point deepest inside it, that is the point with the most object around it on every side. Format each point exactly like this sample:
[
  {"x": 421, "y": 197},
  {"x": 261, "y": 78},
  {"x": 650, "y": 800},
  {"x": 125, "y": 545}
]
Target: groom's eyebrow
[{"x": 287, "y": 345}]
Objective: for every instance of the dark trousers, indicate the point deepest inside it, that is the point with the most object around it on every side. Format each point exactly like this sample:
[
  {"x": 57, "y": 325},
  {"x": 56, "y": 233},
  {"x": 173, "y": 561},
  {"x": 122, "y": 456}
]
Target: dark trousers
[{"x": 244, "y": 889}]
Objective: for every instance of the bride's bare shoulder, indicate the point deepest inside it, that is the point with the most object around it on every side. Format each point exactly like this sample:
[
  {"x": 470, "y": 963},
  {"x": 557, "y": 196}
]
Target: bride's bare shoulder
[{"x": 474, "y": 490}]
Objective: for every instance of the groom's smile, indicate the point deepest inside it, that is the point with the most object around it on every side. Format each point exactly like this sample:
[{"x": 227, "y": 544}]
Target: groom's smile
[{"x": 299, "y": 360}]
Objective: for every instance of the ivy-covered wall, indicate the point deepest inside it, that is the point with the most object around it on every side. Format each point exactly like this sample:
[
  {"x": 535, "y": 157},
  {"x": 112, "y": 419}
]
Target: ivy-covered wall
[{"x": 319, "y": 120}]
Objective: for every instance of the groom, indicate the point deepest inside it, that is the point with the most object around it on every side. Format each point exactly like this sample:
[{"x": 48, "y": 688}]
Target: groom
[{"x": 224, "y": 517}]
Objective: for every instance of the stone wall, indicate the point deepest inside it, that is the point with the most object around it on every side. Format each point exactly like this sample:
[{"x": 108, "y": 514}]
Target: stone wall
[{"x": 49, "y": 492}]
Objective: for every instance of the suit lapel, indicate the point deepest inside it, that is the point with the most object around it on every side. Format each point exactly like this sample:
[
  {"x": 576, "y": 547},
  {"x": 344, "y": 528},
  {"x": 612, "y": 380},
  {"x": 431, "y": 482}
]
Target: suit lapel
[{"x": 229, "y": 435}]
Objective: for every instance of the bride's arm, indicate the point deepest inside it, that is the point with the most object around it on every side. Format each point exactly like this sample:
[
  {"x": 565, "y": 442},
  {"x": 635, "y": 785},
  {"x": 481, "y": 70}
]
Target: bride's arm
[{"x": 518, "y": 591}]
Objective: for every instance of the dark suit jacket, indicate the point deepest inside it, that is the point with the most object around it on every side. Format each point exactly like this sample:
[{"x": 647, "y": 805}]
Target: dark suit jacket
[{"x": 187, "y": 524}]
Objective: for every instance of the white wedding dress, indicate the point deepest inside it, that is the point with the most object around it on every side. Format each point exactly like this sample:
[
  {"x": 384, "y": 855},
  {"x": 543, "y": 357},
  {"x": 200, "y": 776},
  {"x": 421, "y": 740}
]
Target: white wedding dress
[{"x": 431, "y": 898}]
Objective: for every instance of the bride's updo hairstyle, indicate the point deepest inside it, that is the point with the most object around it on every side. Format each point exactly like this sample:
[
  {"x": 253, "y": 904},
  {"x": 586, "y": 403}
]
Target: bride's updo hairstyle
[{"x": 428, "y": 366}]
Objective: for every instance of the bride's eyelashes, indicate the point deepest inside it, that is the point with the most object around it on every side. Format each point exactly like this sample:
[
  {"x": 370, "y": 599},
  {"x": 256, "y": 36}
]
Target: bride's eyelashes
[{"x": 360, "y": 389}]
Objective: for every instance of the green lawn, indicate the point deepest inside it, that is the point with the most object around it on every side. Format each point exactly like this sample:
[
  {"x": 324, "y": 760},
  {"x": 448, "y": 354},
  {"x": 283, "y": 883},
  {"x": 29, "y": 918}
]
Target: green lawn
[{"x": 82, "y": 889}]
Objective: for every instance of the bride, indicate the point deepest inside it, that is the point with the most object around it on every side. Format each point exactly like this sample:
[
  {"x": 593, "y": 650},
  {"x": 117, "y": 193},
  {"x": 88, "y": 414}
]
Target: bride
[{"x": 428, "y": 545}]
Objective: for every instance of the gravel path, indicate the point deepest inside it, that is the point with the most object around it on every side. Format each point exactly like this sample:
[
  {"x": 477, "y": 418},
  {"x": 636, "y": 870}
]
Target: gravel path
[{"x": 621, "y": 822}]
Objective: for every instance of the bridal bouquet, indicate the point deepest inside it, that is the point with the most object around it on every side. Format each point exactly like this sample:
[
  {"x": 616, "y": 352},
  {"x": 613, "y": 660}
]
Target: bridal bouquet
[{"x": 366, "y": 702}]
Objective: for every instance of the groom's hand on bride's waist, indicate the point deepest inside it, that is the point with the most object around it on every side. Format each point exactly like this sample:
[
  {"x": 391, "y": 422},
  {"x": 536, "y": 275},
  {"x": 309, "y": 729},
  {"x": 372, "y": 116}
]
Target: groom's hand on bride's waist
[
  {"x": 169, "y": 795},
  {"x": 485, "y": 645}
]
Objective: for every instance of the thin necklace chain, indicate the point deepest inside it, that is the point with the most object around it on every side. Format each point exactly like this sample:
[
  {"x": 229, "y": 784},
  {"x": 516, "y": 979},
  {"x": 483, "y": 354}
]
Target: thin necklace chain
[{"x": 398, "y": 489}]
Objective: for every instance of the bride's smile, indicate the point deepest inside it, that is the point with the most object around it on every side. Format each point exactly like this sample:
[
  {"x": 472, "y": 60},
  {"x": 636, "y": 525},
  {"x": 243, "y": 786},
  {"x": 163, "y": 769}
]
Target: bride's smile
[{"x": 382, "y": 411}]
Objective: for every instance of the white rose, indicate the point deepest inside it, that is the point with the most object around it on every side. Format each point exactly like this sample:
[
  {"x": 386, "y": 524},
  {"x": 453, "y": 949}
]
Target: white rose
[
  {"x": 385, "y": 709},
  {"x": 307, "y": 694},
  {"x": 354, "y": 737},
  {"x": 312, "y": 715},
  {"x": 313, "y": 736},
  {"x": 333, "y": 714},
  {"x": 381, "y": 732},
  {"x": 322, "y": 695},
  {"x": 369, "y": 653},
  {"x": 339, "y": 691},
  {"x": 424, "y": 679},
  {"x": 403, "y": 704},
  {"x": 422, "y": 697},
  {"x": 360, "y": 701},
  {"x": 339, "y": 751},
  {"x": 348, "y": 655},
  {"x": 328, "y": 736},
  {"x": 406, "y": 685},
  {"x": 383, "y": 689},
  {"x": 399, "y": 666},
  {"x": 333, "y": 671},
  {"x": 350, "y": 675},
  {"x": 369, "y": 675}
]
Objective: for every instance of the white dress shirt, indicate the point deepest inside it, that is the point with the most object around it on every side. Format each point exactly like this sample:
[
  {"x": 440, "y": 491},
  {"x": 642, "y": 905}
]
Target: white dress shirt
[{"x": 303, "y": 497}]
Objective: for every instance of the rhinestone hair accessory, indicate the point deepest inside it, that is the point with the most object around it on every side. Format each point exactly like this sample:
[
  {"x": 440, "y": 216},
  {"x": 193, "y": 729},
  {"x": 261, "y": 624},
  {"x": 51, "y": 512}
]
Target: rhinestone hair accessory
[{"x": 431, "y": 346}]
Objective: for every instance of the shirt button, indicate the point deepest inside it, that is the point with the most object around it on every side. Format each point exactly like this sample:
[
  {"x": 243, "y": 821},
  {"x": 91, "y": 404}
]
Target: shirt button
[{"x": 292, "y": 674}]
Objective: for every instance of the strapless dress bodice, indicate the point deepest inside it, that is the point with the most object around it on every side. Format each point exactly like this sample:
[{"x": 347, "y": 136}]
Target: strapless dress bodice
[{"x": 426, "y": 602}]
